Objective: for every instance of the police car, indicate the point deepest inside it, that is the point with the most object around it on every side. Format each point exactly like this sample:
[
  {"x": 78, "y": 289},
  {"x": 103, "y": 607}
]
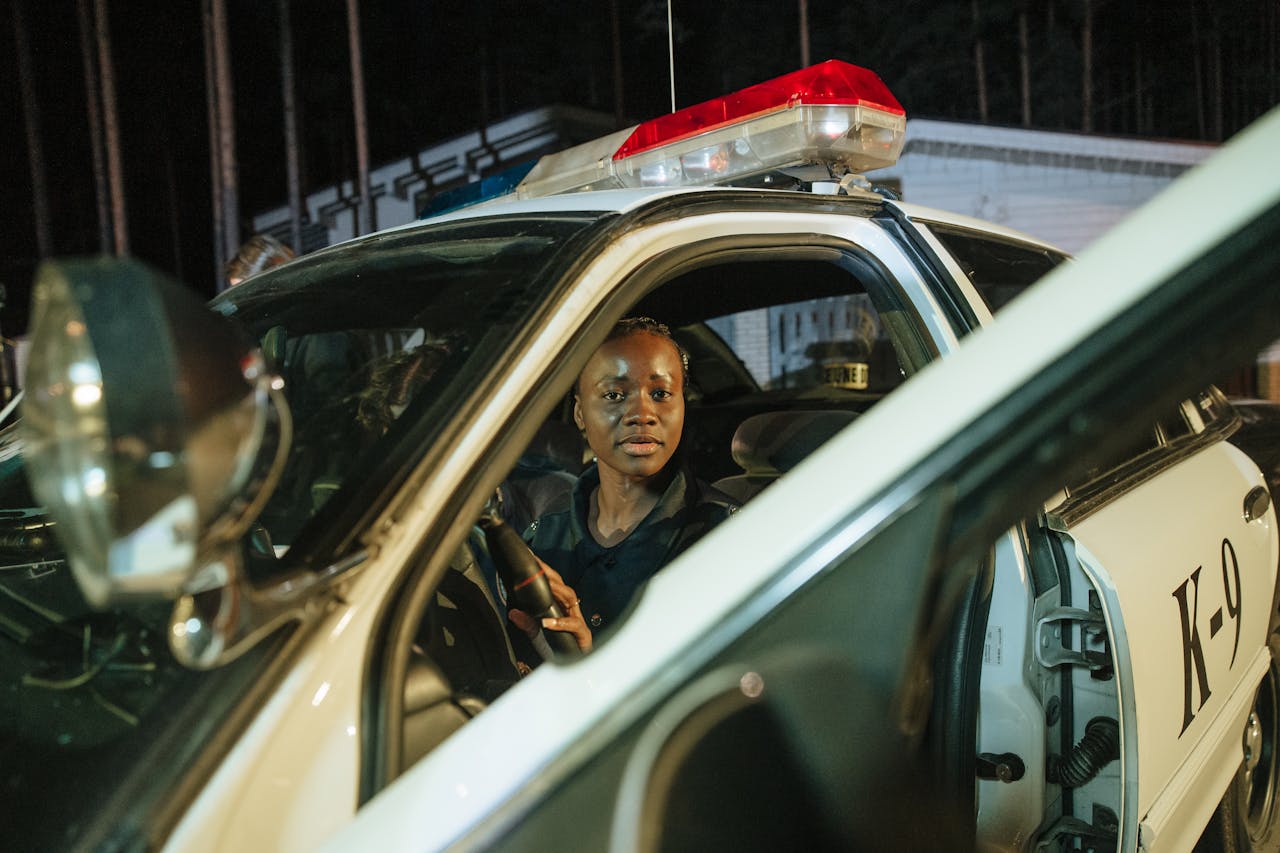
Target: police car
[{"x": 1001, "y": 580}]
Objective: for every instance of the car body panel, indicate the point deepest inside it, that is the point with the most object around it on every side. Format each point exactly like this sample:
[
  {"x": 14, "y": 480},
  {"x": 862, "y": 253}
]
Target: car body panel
[
  {"x": 1012, "y": 717},
  {"x": 290, "y": 780},
  {"x": 1177, "y": 819},
  {"x": 1187, "y": 572}
]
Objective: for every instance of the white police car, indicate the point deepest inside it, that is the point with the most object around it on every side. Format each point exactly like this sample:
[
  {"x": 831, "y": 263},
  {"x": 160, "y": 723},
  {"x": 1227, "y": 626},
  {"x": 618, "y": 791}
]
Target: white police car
[{"x": 1022, "y": 601}]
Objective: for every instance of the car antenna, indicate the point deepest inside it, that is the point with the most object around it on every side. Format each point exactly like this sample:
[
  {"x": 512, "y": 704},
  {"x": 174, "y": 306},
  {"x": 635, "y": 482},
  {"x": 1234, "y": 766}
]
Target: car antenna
[{"x": 671, "y": 54}]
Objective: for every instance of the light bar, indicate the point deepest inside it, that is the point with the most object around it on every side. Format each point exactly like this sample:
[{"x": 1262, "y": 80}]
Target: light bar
[{"x": 833, "y": 115}]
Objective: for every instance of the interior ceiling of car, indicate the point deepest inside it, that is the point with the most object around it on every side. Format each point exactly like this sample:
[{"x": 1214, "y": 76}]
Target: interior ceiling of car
[{"x": 727, "y": 288}]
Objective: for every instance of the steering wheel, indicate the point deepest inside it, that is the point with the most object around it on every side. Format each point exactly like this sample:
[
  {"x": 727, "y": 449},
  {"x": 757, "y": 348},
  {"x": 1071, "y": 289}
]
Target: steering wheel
[{"x": 527, "y": 586}]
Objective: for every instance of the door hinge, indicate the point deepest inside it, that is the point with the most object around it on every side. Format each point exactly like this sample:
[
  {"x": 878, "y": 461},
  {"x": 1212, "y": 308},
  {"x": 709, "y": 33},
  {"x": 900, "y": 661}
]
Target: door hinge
[
  {"x": 1050, "y": 651},
  {"x": 1097, "y": 836}
]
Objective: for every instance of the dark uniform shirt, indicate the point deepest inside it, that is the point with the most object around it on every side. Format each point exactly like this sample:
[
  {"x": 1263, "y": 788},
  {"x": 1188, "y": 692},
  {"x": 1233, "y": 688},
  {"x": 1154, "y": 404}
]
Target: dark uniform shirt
[{"x": 606, "y": 579}]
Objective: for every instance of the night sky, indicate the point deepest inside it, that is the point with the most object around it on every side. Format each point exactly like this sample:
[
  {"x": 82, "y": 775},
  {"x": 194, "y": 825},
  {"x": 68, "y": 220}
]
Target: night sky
[{"x": 436, "y": 69}]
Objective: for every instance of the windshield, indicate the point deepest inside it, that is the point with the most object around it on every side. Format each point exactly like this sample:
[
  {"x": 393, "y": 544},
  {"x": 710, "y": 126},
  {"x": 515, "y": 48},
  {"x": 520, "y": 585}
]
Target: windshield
[{"x": 378, "y": 342}]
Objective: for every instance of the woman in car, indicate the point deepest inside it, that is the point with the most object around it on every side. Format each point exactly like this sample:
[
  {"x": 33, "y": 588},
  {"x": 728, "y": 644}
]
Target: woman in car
[{"x": 639, "y": 505}]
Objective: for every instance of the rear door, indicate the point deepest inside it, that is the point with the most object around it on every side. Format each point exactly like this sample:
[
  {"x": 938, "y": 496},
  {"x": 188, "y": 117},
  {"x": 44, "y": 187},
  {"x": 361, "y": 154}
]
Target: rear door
[
  {"x": 1165, "y": 556},
  {"x": 1177, "y": 539}
]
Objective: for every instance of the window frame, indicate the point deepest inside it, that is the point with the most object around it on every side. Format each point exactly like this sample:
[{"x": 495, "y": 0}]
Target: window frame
[
  {"x": 386, "y": 662},
  {"x": 941, "y": 231},
  {"x": 1116, "y": 479}
]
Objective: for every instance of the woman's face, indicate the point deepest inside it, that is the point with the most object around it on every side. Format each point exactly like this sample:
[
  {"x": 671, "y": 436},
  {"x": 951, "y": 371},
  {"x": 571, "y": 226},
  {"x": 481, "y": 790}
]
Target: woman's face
[{"x": 630, "y": 403}]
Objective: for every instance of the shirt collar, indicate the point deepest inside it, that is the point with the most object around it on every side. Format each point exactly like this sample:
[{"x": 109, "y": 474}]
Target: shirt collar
[{"x": 652, "y": 526}]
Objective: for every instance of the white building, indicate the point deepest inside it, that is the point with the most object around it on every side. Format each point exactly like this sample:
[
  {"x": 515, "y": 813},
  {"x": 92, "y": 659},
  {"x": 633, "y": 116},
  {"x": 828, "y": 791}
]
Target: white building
[{"x": 1064, "y": 188}]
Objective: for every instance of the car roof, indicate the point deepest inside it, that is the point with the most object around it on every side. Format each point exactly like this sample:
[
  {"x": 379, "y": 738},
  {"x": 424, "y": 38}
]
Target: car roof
[
  {"x": 603, "y": 201},
  {"x": 599, "y": 201},
  {"x": 922, "y": 213},
  {"x": 622, "y": 201}
]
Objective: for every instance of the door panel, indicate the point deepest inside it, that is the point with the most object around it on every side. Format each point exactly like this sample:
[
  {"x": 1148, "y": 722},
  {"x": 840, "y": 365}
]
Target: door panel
[
  {"x": 823, "y": 697},
  {"x": 1187, "y": 584}
]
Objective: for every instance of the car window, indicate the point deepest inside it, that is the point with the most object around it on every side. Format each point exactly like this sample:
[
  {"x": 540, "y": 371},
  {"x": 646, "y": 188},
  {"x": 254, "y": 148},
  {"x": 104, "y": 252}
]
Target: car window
[
  {"x": 97, "y": 718},
  {"x": 802, "y": 345},
  {"x": 835, "y": 341},
  {"x": 781, "y": 340},
  {"x": 1183, "y": 427},
  {"x": 1000, "y": 269},
  {"x": 377, "y": 342}
]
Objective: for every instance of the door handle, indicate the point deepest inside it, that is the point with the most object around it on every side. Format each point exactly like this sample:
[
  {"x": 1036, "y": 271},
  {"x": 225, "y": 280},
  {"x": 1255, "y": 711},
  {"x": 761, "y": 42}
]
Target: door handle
[{"x": 1256, "y": 503}]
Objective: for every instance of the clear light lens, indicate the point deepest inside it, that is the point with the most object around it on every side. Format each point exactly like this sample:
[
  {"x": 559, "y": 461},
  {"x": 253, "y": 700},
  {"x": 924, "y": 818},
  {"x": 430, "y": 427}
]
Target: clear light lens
[
  {"x": 146, "y": 464},
  {"x": 706, "y": 163},
  {"x": 64, "y": 423},
  {"x": 664, "y": 173}
]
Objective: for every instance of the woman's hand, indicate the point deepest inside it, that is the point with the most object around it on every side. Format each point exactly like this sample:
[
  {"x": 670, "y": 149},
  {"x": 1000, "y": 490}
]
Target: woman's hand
[{"x": 572, "y": 622}]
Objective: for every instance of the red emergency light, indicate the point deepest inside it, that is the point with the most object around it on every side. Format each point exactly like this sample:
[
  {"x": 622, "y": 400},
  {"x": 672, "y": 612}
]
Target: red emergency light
[
  {"x": 833, "y": 116},
  {"x": 830, "y": 82}
]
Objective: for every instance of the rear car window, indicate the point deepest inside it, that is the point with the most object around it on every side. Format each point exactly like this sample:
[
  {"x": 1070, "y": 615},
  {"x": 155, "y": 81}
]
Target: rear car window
[{"x": 999, "y": 269}]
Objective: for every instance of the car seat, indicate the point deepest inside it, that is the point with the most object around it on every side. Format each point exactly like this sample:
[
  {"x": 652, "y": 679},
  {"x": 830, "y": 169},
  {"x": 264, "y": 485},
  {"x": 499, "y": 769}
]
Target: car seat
[
  {"x": 767, "y": 445},
  {"x": 542, "y": 480}
]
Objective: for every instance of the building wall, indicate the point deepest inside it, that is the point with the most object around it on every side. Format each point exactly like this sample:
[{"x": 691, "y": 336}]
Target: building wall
[
  {"x": 402, "y": 188},
  {"x": 751, "y": 341},
  {"x": 1065, "y": 188}
]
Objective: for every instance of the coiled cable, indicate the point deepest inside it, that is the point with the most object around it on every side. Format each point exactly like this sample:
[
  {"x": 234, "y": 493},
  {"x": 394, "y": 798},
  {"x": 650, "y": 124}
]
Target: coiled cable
[{"x": 1099, "y": 746}]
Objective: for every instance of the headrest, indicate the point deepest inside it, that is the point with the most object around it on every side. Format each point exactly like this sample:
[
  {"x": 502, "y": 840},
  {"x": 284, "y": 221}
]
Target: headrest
[{"x": 775, "y": 442}]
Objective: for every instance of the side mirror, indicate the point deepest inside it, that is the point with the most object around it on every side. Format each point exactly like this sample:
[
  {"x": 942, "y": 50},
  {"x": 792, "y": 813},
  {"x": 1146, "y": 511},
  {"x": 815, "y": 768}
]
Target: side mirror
[{"x": 152, "y": 432}]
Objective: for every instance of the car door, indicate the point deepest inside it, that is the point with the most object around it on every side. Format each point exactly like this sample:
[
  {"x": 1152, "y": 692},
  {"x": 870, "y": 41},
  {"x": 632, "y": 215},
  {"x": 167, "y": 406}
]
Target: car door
[{"x": 1177, "y": 540}]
